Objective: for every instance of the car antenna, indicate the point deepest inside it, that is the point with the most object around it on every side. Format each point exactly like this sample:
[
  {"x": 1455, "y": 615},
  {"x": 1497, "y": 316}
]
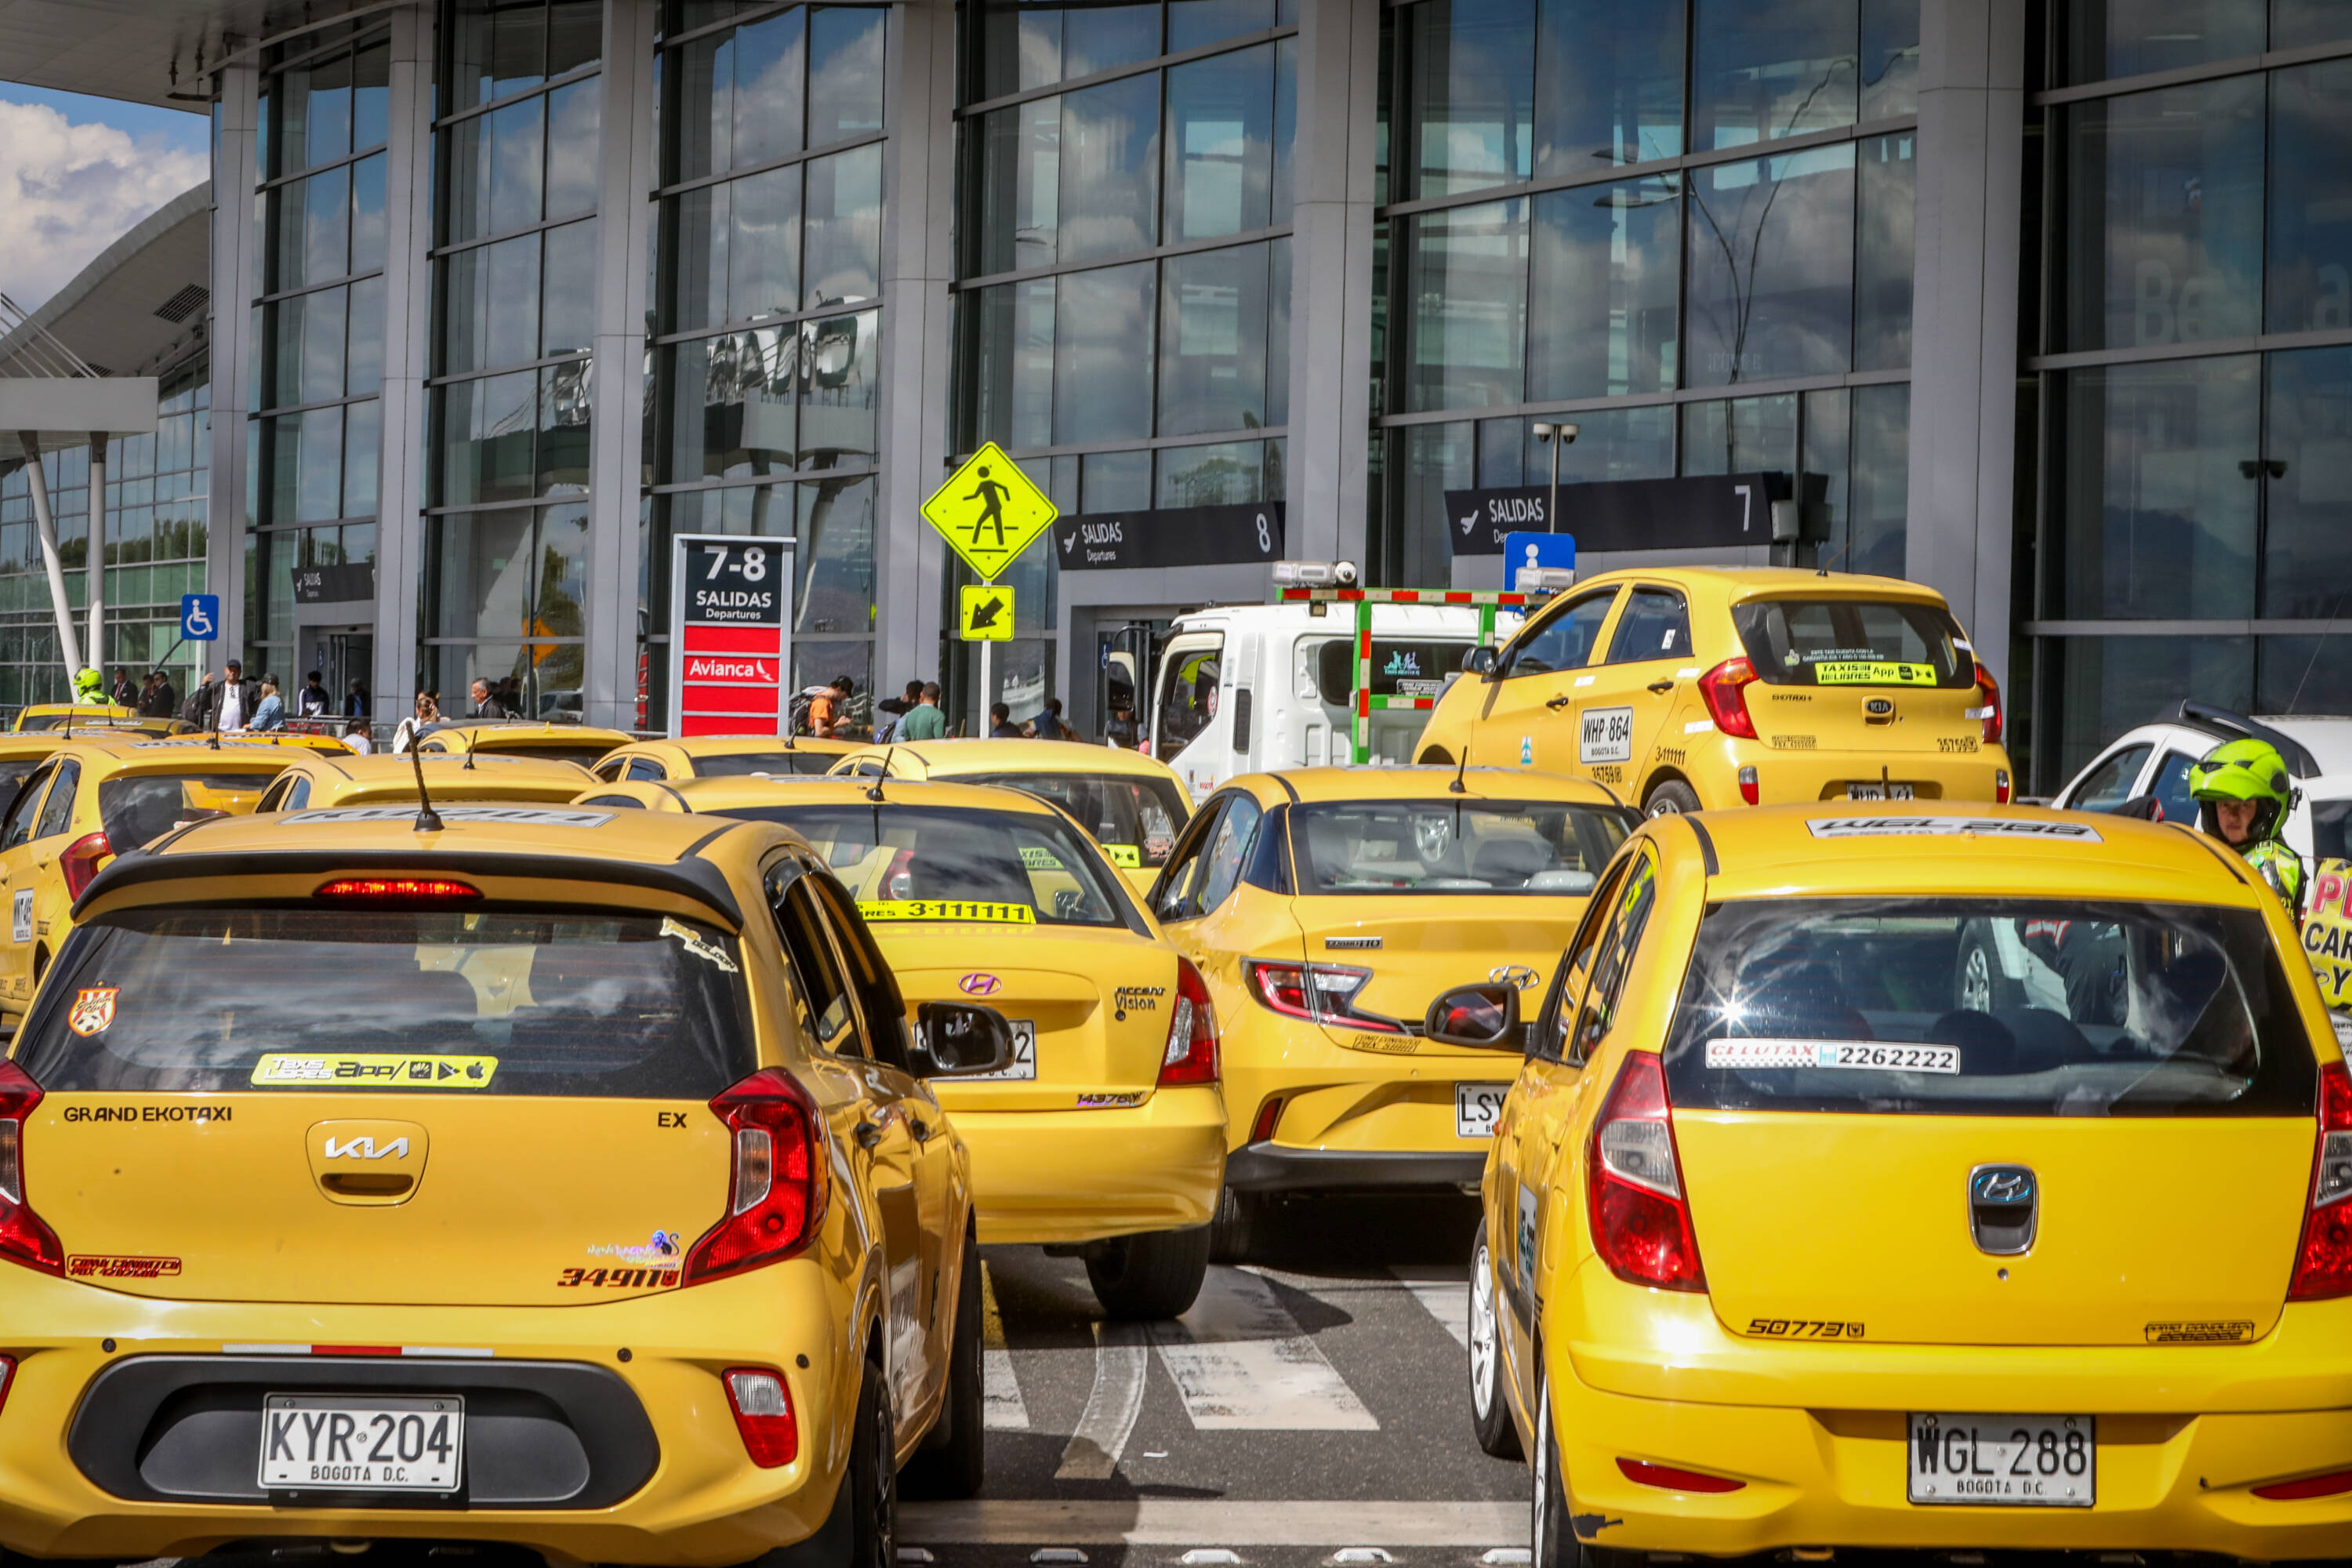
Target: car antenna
[
  {"x": 1455, "y": 787},
  {"x": 427, "y": 819},
  {"x": 215, "y": 732},
  {"x": 1833, "y": 559},
  {"x": 469, "y": 751},
  {"x": 874, "y": 790}
]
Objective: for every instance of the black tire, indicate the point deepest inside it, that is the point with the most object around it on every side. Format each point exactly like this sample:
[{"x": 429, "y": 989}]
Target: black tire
[
  {"x": 1670, "y": 798},
  {"x": 1155, "y": 1275},
  {"x": 1551, "y": 1526},
  {"x": 954, "y": 1458},
  {"x": 1490, "y": 1405},
  {"x": 1234, "y": 1234},
  {"x": 1979, "y": 984},
  {"x": 862, "y": 1529}
]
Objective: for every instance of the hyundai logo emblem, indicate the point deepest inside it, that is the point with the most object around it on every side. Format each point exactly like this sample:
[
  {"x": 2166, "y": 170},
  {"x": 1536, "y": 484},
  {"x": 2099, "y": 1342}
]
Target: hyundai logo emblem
[
  {"x": 1878, "y": 707},
  {"x": 978, "y": 984},
  {"x": 1518, "y": 976},
  {"x": 2004, "y": 1209}
]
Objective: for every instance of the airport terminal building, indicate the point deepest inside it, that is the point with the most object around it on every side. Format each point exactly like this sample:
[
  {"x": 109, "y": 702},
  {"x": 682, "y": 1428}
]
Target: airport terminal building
[{"x": 2046, "y": 305}]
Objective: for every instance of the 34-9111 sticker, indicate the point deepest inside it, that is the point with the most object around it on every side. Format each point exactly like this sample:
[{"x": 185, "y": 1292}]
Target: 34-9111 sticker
[{"x": 1864, "y": 1056}]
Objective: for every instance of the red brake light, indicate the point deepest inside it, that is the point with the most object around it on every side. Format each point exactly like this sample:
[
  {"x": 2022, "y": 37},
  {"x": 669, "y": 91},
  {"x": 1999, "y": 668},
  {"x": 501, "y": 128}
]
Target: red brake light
[
  {"x": 1269, "y": 1115},
  {"x": 398, "y": 889},
  {"x": 81, "y": 861},
  {"x": 777, "y": 1196},
  {"x": 1319, "y": 992},
  {"x": 1751, "y": 788},
  {"x": 2333, "y": 1483},
  {"x": 24, "y": 1238},
  {"x": 1191, "y": 1055},
  {"x": 1633, "y": 1184},
  {"x": 1675, "y": 1479},
  {"x": 1990, "y": 709},
  {"x": 763, "y": 1414},
  {"x": 2324, "y": 1268},
  {"x": 2001, "y": 791},
  {"x": 1723, "y": 690}
]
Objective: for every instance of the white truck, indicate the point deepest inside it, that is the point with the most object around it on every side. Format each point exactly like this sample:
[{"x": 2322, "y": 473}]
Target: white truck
[{"x": 1246, "y": 687}]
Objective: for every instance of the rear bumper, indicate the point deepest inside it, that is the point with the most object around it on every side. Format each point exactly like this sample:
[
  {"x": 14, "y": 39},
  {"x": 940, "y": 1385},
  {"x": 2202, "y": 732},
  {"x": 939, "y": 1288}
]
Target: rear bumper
[
  {"x": 1086, "y": 1175},
  {"x": 1270, "y": 1167},
  {"x": 1790, "y": 777}
]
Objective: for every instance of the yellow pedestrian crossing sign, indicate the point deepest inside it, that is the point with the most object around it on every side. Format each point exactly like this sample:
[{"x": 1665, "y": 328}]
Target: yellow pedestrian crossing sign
[
  {"x": 989, "y": 512},
  {"x": 986, "y": 613}
]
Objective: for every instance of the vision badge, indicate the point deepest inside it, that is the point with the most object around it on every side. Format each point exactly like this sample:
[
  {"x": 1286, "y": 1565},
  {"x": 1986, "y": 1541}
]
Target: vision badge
[{"x": 94, "y": 1010}]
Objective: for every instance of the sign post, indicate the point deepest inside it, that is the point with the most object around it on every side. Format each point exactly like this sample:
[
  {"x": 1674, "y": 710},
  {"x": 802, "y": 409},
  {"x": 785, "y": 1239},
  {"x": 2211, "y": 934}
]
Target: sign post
[
  {"x": 730, "y": 635},
  {"x": 989, "y": 512}
]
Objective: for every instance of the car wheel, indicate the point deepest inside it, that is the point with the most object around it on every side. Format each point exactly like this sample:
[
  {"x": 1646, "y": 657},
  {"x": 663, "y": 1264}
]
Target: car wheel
[
  {"x": 1670, "y": 799},
  {"x": 1979, "y": 985},
  {"x": 953, "y": 1459},
  {"x": 1155, "y": 1275},
  {"x": 1233, "y": 1233},
  {"x": 1490, "y": 1407},
  {"x": 1551, "y": 1526},
  {"x": 862, "y": 1529}
]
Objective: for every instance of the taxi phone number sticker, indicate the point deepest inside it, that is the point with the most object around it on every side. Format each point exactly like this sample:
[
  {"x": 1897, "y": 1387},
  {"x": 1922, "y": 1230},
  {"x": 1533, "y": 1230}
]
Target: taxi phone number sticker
[
  {"x": 281, "y": 1068},
  {"x": 947, "y": 909},
  {"x": 1857, "y": 1053},
  {"x": 1874, "y": 672}
]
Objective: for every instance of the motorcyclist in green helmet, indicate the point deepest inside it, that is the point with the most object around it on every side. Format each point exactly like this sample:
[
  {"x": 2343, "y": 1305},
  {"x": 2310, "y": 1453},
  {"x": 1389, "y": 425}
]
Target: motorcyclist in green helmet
[{"x": 2243, "y": 795}]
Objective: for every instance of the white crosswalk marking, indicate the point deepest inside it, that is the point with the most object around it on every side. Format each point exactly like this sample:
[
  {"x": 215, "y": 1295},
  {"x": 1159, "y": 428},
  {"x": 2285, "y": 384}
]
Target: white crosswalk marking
[
  {"x": 1445, "y": 1296},
  {"x": 1218, "y": 1521},
  {"x": 1240, "y": 1362},
  {"x": 1121, "y": 1359},
  {"x": 1002, "y": 1409}
]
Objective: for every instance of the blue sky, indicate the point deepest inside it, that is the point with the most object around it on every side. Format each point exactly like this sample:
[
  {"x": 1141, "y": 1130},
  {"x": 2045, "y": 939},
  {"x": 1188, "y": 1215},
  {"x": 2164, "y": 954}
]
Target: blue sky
[{"x": 76, "y": 173}]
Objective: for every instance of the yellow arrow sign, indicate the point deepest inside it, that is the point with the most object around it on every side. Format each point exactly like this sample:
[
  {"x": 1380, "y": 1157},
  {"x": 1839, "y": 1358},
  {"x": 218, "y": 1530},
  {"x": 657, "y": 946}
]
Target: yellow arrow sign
[
  {"x": 989, "y": 512},
  {"x": 986, "y": 613}
]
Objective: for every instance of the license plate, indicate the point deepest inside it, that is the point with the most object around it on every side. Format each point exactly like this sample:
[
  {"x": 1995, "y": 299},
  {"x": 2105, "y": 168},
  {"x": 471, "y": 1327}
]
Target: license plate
[
  {"x": 1475, "y": 1107},
  {"x": 1024, "y": 1064},
  {"x": 1877, "y": 791},
  {"x": 361, "y": 1443},
  {"x": 2004, "y": 1461}
]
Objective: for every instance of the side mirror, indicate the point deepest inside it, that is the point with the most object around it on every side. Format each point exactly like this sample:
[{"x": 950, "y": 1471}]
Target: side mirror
[
  {"x": 957, "y": 1039},
  {"x": 1480, "y": 662},
  {"x": 1485, "y": 1017}
]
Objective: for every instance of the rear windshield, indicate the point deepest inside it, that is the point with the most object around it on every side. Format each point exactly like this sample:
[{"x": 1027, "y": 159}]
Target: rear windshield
[
  {"x": 1850, "y": 642},
  {"x": 742, "y": 764},
  {"x": 935, "y": 863},
  {"x": 1134, "y": 818},
  {"x": 1452, "y": 847},
  {"x": 1960, "y": 1006},
  {"x": 138, "y": 808},
  {"x": 486, "y": 1002}
]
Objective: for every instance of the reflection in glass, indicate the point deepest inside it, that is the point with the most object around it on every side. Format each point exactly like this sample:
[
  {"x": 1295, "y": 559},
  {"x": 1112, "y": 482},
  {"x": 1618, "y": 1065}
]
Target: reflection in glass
[
  {"x": 1102, "y": 355},
  {"x": 1608, "y": 85},
  {"x": 698, "y": 108},
  {"x": 1825, "y": 451},
  {"x": 486, "y": 435},
  {"x": 1004, "y": 359},
  {"x": 1227, "y": 474},
  {"x": 326, "y": 225},
  {"x": 564, "y": 393},
  {"x": 568, "y": 290},
  {"x": 479, "y": 574},
  {"x": 1879, "y": 498},
  {"x": 842, "y": 229},
  {"x": 845, "y": 90},
  {"x": 572, "y": 149},
  {"x": 2108, "y": 38},
  {"x": 318, "y": 350},
  {"x": 1012, "y": 178},
  {"x": 733, "y": 405},
  {"x": 1432, "y": 459},
  {"x": 2163, "y": 216},
  {"x": 1213, "y": 342},
  {"x": 2297, "y": 23},
  {"x": 363, "y": 435},
  {"x": 2307, "y": 533},
  {"x": 1019, "y": 45},
  {"x": 834, "y": 557},
  {"x": 1277, "y": 333},
  {"x": 496, "y": 48},
  {"x": 761, "y": 248},
  {"x": 493, "y": 171},
  {"x": 2309, "y": 262},
  {"x": 1286, "y": 126},
  {"x": 1192, "y": 23},
  {"x": 1116, "y": 481},
  {"x": 575, "y": 34},
  {"x": 560, "y": 595},
  {"x": 1770, "y": 260},
  {"x": 1890, "y": 58},
  {"x": 771, "y": 61},
  {"x": 1473, "y": 91},
  {"x": 841, "y": 398},
  {"x": 2106, "y": 685},
  {"x": 1220, "y": 151},
  {"x": 1739, "y": 435},
  {"x": 490, "y": 305},
  {"x": 318, "y": 466},
  {"x": 1603, "y": 261},
  {"x": 1882, "y": 262},
  {"x": 1111, "y": 168},
  {"x": 2296, "y": 674},
  {"x": 1468, "y": 285},
  {"x": 367, "y": 214},
  {"x": 1762, "y": 72}
]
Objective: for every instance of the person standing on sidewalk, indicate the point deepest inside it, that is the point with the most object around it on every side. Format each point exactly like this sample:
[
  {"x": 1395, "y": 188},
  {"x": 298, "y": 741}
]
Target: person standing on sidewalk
[{"x": 924, "y": 721}]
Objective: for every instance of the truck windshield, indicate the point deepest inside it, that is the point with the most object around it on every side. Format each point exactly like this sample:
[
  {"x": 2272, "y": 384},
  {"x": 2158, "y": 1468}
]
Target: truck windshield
[{"x": 1188, "y": 694}]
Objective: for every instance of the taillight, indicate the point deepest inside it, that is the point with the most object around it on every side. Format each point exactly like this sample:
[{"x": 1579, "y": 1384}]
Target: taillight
[
  {"x": 397, "y": 889},
  {"x": 1723, "y": 689},
  {"x": 1633, "y": 1184},
  {"x": 763, "y": 1414},
  {"x": 777, "y": 1196},
  {"x": 1319, "y": 993},
  {"x": 24, "y": 1238},
  {"x": 1990, "y": 709},
  {"x": 7, "y": 1377},
  {"x": 1751, "y": 789},
  {"x": 2335, "y": 1483},
  {"x": 2000, "y": 787},
  {"x": 1269, "y": 1116},
  {"x": 1192, "y": 1054},
  {"x": 1674, "y": 1478},
  {"x": 2324, "y": 1268},
  {"x": 81, "y": 861}
]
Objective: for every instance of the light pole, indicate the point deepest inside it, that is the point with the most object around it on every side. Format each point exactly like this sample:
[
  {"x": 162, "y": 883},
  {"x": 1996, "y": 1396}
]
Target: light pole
[{"x": 1545, "y": 434}]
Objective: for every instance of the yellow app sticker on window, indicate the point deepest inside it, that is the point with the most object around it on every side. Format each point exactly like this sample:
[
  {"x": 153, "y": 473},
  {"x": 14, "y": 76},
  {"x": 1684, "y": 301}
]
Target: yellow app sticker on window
[
  {"x": 1125, "y": 857},
  {"x": 391, "y": 1070},
  {"x": 1875, "y": 672},
  {"x": 947, "y": 909},
  {"x": 1037, "y": 857}
]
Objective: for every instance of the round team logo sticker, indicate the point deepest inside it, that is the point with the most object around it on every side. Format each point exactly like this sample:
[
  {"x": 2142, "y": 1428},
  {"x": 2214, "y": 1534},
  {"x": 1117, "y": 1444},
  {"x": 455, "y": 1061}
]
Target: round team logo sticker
[
  {"x": 94, "y": 1010},
  {"x": 978, "y": 985}
]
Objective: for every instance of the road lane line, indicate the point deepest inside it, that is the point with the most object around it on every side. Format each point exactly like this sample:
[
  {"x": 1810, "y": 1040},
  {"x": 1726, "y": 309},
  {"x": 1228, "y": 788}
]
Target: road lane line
[
  {"x": 1121, "y": 1359},
  {"x": 1212, "y": 1521},
  {"x": 1444, "y": 1294},
  {"x": 1240, "y": 1363},
  {"x": 1002, "y": 1409}
]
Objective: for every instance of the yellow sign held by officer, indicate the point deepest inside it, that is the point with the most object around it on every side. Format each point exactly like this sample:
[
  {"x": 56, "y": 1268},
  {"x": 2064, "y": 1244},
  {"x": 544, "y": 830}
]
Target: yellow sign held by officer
[
  {"x": 989, "y": 512},
  {"x": 985, "y": 612}
]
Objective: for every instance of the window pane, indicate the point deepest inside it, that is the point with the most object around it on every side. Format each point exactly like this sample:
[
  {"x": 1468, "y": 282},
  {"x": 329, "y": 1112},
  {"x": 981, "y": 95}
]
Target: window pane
[
  {"x": 486, "y": 429},
  {"x": 575, "y": 34},
  {"x": 367, "y": 214},
  {"x": 771, "y": 61},
  {"x": 479, "y": 576},
  {"x": 1277, "y": 333},
  {"x": 1436, "y": 458},
  {"x": 1825, "y": 449},
  {"x": 2158, "y": 519},
  {"x": 326, "y": 225},
  {"x": 1116, "y": 481},
  {"x": 2106, "y": 685},
  {"x": 1472, "y": 89},
  {"x": 1213, "y": 342},
  {"x": 834, "y": 557},
  {"x": 1015, "y": 46},
  {"x": 1879, "y": 497},
  {"x": 363, "y": 435},
  {"x": 1102, "y": 355},
  {"x": 733, "y": 403},
  {"x": 316, "y": 103},
  {"x": 495, "y": 170},
  {"x": 1192, "y": 23},
  {"x": 1881, "y": 263},
  {"x": 2307, "y": 539},
  {"x": 1740, "y": 435},
  {"x": 1762, "y": 72},
  {"x": 1013, "y": 160},
  {"x": 2295, "y": 674},
  {"x": 695, "y": 241},
  {"x": 572, "y": 149},
  {"x": 568, "y": 294},
  {"x": 1109, "y": 168},
  {"x": 497, "y": 47},
  {"x": 371, "y": 94},
  {"x": 2107, "y": 38},
  {"x": 844, "y": 94},
  {"x": 844, "y": 228},
  {"x": 1603, "y": 267},
  {"x": 1221, "y": 154},
  {"x": 761, "y": 253},
  {"x": 1227, "y": 474},
  {"x": 2164, "y": 215},
  {"x": 841, "y": 395},
  {"x": 490, "y": 305},
  {"x": 319, "y": 365},
  {"x": 1890, "y": 58},
  {"x": 1005, "y": 358},
  {"x": 563, "y": 427},
  {"x": 561, "y": 585},
  {"x": 1468, "y": 285},
  {"x": 1609, "y": 84},
  {"x": 698, "y": 108},
  {"x": 1104, "y": 37},
  {"x": 2310, "y": 260},
  {"x": 1771, "y": 259},
  {"x": 1610, "y": 443},
  {"x": 318, "y": 466},
  {"x": 2295, "y": 23},
  {"x": 1285, "y": 125}
]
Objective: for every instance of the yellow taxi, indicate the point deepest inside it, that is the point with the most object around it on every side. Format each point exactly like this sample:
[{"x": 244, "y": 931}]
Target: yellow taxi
[
  {"x": 1794, "y": 1239},
  {"x": 314, "y": 783},
  {"x": 92, "y": 801},
  {"x": 1701, "y": 687},
  {"x": 1104, "y": 1134},
  {"x": 1133, "y": 804},
  {"x": 61, "y": 715},
  {"x": 721, "y": 756},
  {"x": 1327, "y": 908},
  {"x": 581, "y": 743},
  {"x": 590, "y": 1200}
]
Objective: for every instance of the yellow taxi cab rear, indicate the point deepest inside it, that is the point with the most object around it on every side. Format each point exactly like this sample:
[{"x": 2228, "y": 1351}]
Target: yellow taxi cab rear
[
  {"x": 1702, "y": 688},
  {"x": 1131, "y": 803},
  {"x": 582, "y": 743},
  {"x": 60, "y": 715},
  {"x": 1105, "y": 1132},
  {"x": 538, "y": 1216},
  {"x": 721, "y": 756},
  {"x": 1959, "y": 1180},
  {"x": 315, "y": 781},
  {"x": 1327, "y": 909}
]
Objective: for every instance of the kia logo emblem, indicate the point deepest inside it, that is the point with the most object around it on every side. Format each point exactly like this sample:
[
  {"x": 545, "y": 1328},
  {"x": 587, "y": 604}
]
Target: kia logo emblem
[
  {"x": 978, "y": 985},
  {"x": 1878, "y": 707}
]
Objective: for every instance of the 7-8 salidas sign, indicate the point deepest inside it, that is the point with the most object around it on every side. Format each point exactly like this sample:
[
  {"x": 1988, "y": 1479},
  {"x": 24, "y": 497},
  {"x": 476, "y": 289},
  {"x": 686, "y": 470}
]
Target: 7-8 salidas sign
[{"x": 730, "y": 635}]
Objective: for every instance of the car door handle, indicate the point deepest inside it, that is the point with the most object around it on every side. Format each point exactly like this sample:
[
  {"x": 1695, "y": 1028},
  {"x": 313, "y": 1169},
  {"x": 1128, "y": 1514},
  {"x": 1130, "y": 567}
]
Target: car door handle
[
  {"x": 1661, "y": 686},
  {"x": 1562, "y": 700},
  {"x": 868, "y": 1134}
]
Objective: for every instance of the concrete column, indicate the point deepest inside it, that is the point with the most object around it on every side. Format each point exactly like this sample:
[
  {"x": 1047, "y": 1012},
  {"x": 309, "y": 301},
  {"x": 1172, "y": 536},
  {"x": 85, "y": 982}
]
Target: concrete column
[
  {"x": 44, "y": 528},
  {"x": 918, "y": 223},
  {"x": 235, "y": 268},
  {"x": 617, "y": 456},
  {"x": 401, "y": 536},
  {"x": 1331, "y": 279},
  {"x": 1958, "y": 539}
]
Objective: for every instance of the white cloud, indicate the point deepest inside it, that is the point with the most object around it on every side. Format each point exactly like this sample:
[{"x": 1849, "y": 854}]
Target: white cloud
[{"x": 67, "y": 192}]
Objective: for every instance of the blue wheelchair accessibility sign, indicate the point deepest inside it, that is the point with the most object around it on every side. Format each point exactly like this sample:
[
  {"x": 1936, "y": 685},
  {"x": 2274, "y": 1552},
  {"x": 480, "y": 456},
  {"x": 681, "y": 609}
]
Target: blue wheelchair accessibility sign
[{"x": 200, "y": 617}]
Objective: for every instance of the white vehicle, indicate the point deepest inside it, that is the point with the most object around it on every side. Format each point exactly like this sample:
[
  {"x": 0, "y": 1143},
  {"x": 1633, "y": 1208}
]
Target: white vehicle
[
  {"x": 2155, "y": 759},
  {"x": 1246, "y": 687}
]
